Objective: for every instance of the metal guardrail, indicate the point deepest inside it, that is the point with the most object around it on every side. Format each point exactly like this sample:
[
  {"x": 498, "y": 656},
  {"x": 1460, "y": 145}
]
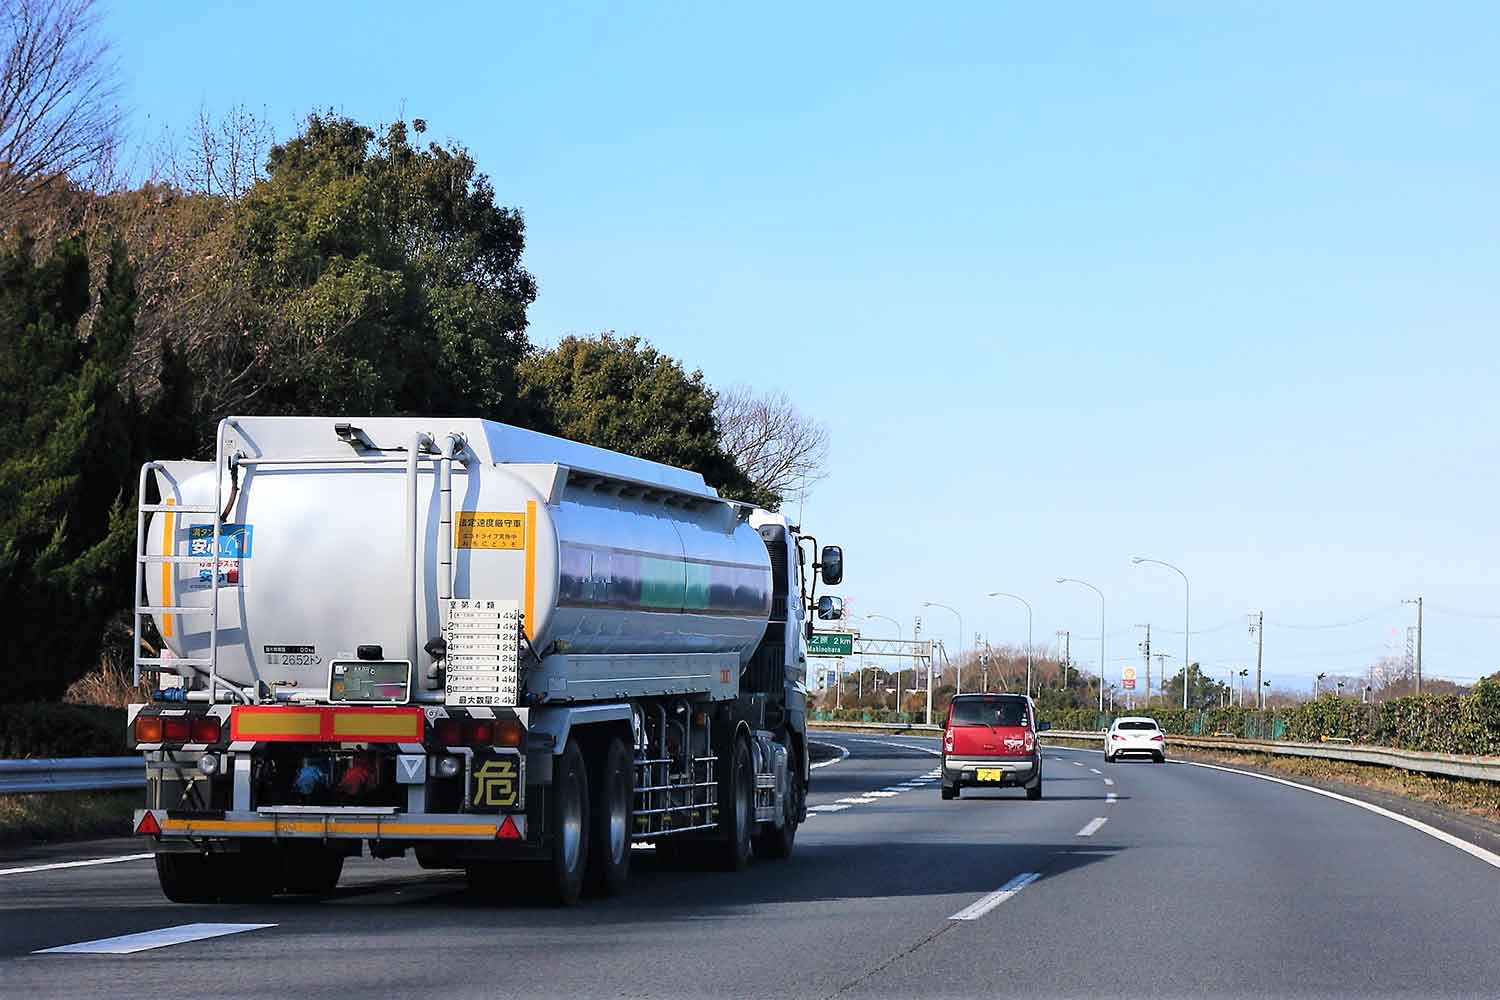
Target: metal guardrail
[
  {"x": 1447, "y": 764},
  {"x": 855, "y": 727},
  {"x": 71, "y": 774}
]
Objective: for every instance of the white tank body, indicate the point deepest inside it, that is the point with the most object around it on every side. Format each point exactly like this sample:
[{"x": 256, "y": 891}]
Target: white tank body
[{"x": 605, "y": 554}]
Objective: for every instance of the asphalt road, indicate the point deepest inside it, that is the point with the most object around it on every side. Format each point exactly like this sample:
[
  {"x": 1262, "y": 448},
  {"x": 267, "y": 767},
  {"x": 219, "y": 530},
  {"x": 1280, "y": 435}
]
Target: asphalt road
[{"x": 1191, "y": 882}]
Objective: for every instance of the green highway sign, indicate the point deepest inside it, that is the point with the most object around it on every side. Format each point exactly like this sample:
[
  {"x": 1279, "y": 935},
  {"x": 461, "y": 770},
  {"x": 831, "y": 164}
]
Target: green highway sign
[{"x": 831, "y": 644}]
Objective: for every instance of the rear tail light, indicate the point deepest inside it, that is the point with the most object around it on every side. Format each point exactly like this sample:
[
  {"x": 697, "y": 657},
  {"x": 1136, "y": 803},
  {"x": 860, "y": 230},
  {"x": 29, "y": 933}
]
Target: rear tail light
[
  {"x": 175, "y": 729},
  {"x": 1030, "y": 743},
  {"x": 205, "y": 729},
  {"x": 148, "y": 729},
  {"x": 1159, "y": 738},
  {"x": 1116, "y": 736},
  {"x": 478, "y": 732},
  {"x": 948, "y": 740}
]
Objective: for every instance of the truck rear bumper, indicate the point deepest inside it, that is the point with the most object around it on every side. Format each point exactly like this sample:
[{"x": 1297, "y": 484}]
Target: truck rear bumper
[{"x": 332, "y": 825}]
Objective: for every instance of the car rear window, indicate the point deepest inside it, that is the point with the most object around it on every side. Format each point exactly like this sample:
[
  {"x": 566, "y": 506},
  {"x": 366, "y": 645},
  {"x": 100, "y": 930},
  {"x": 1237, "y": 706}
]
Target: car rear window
[
  {"x": 1137, "y": 725},
  {"x": 989, "y": 712}
]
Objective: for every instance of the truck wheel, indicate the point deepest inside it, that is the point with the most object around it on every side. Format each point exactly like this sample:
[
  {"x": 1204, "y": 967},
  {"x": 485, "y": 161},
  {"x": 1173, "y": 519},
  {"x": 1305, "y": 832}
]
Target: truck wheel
[
  {"x": 948, "y": 792},
  {"x": 312, "y": 869},
  {"x": 731, "y": 848},
  {"x": 560, "y": 881},
  {"x": 612, "y": 781},
  {"x": 252, "y": 875},
  {"x": 188, "y": 878},
  {"x": 777, "y": 843}
]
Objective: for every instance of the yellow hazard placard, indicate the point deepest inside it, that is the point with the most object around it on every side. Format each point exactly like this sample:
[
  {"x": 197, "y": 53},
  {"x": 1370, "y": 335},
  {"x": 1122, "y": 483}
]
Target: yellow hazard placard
[{"x": 489, "y": 529}]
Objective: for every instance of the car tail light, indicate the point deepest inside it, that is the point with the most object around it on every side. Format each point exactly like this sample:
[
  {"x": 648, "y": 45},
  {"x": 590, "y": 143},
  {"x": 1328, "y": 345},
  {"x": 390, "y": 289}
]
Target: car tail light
[
  {"x": 1030, "y": 742},
  {"x": 449, "y": 732},
  {"x": 948, "y": 740},
  {"x": 508, "y": 733},
  {"x": 205, "y": 729},
  {"x": 1116, "y": 736},
  {"x": 148, "y": 729},
  {"x": 481, "y": 732},
  {"x": 1159, "y": 738},
  {"x": 175, "y": 729}
]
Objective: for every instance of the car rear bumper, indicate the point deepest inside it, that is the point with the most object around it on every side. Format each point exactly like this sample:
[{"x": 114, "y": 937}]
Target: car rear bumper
[
  {"x": 1135, "y": 750},
  {"x": 963, "y": 771}
]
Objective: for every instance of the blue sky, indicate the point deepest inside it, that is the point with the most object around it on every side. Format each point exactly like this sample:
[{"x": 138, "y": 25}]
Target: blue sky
[{"x": 1212, "y": 283}]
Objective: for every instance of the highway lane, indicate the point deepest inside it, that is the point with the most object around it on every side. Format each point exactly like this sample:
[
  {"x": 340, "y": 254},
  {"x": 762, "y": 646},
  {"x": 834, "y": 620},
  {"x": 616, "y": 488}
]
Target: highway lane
[{"x": 1197, "y": 883}]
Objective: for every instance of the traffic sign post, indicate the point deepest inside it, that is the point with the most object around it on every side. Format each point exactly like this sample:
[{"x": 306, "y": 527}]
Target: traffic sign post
[{"x": 831, "y": 644}]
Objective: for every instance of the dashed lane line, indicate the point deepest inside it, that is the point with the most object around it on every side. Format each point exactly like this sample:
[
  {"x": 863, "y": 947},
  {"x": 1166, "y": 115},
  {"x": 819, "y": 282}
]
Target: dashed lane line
[
  {"x": 1092, "y": 827},
  {"x": 1109, "y": 781},
  {"x": 1095, "y": 770},
  {"x": 1111, "y": 798},
  {"x": 984, "y": 905},
  {"x": 129, "y": 944},
  {"x": 826, "y": 809}
]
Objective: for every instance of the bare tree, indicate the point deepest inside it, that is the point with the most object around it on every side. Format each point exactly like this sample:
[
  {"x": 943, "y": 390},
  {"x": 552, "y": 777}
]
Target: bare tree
[
  {"x": 780, "y": 448},
  {"x": 59, "y": 116},
  {"x": 222, "y": 157}
]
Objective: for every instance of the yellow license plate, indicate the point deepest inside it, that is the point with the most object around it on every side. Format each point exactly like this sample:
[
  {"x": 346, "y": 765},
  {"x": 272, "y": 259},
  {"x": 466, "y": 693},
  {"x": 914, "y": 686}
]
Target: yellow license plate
[{"x": 988, "y": 774}]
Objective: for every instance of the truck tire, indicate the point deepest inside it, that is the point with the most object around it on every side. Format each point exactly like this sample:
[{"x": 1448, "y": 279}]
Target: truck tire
[
  {"x": 731, "y": 842},
  {"x": 188, "y": 878},
  {"x": 559, "y": 882},
  {"x": 612, "y": 781},
  {"x": 312, "y": 869},
  {"x": 777, "y": 843}
]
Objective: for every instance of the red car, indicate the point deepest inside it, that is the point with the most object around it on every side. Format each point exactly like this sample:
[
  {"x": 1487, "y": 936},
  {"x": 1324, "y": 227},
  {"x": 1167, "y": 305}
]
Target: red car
[{"x": 991, "y": 742}]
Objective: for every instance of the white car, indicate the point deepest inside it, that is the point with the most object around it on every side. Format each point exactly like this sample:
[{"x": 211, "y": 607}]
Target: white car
[{"x": 1135, "y": 735}]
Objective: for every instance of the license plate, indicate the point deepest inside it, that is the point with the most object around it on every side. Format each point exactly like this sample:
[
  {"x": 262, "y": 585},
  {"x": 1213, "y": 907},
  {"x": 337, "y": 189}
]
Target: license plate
[{"x": 988, "y": 774}]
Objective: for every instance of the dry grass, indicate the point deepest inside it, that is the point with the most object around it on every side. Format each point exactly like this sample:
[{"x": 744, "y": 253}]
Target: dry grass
[
  {"x": 58, "y": 816},
  {"x": 108, "y": 685}
]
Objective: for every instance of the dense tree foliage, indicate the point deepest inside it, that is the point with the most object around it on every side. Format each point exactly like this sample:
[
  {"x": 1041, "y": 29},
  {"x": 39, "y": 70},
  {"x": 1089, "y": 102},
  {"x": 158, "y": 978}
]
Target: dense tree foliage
[
  {"x": 622, "y": 394},
  {"x": 357, "y": 272}
]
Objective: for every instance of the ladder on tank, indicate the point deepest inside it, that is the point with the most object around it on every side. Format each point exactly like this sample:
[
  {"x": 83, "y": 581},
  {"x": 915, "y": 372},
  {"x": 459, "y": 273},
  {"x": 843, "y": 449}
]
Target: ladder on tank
[{"x": 170, "y": 508}]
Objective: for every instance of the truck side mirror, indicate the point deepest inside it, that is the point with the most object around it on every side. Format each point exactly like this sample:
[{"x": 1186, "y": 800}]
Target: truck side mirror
[
  {"x": 831, "y": 564},
  {"x": 830, "y": 608}
]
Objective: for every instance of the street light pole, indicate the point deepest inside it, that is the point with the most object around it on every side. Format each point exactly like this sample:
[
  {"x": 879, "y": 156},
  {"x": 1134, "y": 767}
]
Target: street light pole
[
  {"x": 899, "y": 635},
  {"x": 1017, "y": 597},
  {"x": 1085, "y": 583},
  {"x": 1187, "y": 614},
  {"x": 958, "y": 687}
]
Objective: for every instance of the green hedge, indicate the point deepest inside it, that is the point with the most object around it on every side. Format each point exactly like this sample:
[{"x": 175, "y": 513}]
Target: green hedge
[
  {"x": 55, "y": 729},
  {"x": 1464, "y": 724}
]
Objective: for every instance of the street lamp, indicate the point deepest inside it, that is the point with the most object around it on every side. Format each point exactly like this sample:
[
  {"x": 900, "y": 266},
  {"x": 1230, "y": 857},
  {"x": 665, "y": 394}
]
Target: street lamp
[
  {"x": 1085, "y": 583},
  {"x": 1017, "y": 597},
  {"x": 899, "y": 635},
  {"x": 1187, "y": 608},
  {"x": 958, "y": 687}
]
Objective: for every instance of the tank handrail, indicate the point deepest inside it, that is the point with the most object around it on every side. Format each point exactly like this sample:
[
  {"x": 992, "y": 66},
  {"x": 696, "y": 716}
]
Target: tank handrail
[{"x": 421, "y": 441}]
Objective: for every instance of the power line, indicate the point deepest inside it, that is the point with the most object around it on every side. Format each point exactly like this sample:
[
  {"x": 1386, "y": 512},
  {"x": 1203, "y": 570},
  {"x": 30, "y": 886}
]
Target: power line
[
  {"x": 1236, "y": 620},
  {"x": 1353, "y": 621},
  {"x": 1463, "y": 614}
]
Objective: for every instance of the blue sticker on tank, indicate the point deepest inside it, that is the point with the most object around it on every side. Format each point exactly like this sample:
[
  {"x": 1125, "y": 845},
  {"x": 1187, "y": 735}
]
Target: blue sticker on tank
[{"x": 235, "y": 540}]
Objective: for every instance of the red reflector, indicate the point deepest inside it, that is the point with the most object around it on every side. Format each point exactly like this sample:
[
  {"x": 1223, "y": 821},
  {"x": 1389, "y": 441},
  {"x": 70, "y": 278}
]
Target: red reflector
[
  {"x": 507, "y": 830},
  {"x": 148, "y": 729},
  {"x": 206, "y": 729},
  {"x": 175, "y": 729},
  {"x": 148, "y": 825}
]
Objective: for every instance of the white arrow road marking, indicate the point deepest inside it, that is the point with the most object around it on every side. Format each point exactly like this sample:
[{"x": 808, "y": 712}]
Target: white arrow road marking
[
  {"x": 75, "y": 864},
  {"x": 129, "y": 944},
  {"x": 1092, "y": 827},
  {"x": 982, "y": 906}
]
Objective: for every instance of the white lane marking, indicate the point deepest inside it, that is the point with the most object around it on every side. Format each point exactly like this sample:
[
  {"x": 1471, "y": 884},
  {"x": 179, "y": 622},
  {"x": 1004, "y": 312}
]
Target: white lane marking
[
  {"x": 1092, "y": 827},
  {"x": 75, "y": 864},
  {"x": 843, "y": 752},
  {"x": 982, "y": 906},
  {"x": 826, "y": 809},
  {"x": 1078, "y": 763},
  {"x": 858, "y": 800},
  {"x": 883, "y": 794},
  {"x": 129, "y": 944},
  {"x": 1109, "y": 781},
  {"x": 1095, "y": 770},
  {"x": 900, "y": 746},
  {"x": 1111, "y": 798},
  {"x": 896, "y": 788},
  {"x": 1488, "y": 857}
]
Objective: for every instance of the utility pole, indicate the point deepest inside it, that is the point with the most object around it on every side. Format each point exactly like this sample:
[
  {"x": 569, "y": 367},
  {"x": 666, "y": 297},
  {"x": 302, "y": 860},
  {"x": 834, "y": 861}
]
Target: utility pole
[
  {"x": 1418, "y": 603},
  {"x": 1258, "y": 626},
  {"x": 1145, "y": 647},
  {"x": 1067, "y": 657}
]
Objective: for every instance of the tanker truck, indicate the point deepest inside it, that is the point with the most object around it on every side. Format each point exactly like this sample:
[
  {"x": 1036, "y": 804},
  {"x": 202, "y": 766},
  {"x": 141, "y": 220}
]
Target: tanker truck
[{"x": 489, "y": 648}]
